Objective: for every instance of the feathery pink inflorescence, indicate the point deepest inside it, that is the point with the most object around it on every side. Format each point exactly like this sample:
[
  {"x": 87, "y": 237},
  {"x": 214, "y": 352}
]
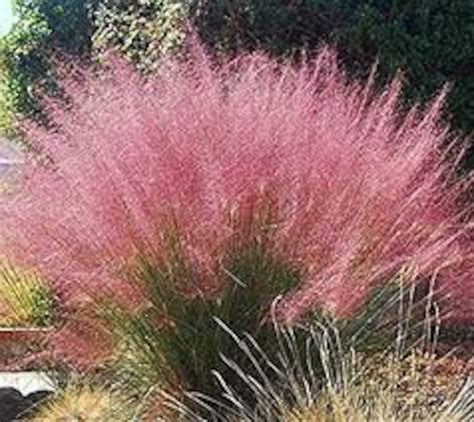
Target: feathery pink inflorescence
[{"x": 360, "y": 189}]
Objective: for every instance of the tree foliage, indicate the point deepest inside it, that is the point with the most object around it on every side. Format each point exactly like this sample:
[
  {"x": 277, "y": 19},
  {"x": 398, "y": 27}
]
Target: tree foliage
[
  {"x": 141, "y": 31},
  {"x": 45, "y": 32}
]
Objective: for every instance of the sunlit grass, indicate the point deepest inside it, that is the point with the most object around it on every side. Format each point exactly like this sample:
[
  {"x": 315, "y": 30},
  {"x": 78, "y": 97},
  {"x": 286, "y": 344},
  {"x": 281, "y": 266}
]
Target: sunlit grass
[{"x": 25, "y": 300}]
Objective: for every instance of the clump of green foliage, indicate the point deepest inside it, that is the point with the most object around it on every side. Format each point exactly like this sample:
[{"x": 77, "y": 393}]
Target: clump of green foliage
[
  {"x": 49, "y": 33},
  {"x": 175, "y": 342},
  {"x": 141, "y": 31},
  {"x": 46, "y": 32}
]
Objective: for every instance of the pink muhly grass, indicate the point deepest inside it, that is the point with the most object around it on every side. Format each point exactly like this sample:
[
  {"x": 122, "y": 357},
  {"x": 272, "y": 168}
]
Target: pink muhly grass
[{"x": 358, "y": 190}]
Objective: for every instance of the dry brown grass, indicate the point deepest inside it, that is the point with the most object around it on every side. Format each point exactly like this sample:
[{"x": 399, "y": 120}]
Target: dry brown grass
[{"x": 85, "y": 403}]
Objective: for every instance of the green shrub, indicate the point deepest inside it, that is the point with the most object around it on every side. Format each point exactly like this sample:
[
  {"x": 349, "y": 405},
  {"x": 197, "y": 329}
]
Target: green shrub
[
  {"x": 141, "y": 31},
  {"x": 52, "y": 32},
  {"x": 23, "y": 65},
  {"x": 45, "y": 32}
]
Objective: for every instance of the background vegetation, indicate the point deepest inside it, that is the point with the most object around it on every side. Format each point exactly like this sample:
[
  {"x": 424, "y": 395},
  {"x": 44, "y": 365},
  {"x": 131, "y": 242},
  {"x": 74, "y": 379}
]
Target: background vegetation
[
  {"x": 45, "y": 33},
  {"x": 432, "y": 42}
]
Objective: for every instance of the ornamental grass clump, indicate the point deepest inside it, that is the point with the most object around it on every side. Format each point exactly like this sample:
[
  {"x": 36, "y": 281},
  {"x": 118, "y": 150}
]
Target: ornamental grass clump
[
  {"x": 84, "y": 403},
  {"x": 26, "y": 301},
  {"x": 328, "y": 380},
  {"x": 174, "y": 343},
  {"x": 204, "y": 164}
]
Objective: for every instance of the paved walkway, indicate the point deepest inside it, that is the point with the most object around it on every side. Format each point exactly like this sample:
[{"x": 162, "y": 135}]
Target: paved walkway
[
  {"x": 26, "y": 382},
  {"x": 9, "y": 157}
]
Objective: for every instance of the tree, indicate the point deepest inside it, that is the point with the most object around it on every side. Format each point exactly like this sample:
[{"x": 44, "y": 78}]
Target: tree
[{"x": 45, "y": 31}]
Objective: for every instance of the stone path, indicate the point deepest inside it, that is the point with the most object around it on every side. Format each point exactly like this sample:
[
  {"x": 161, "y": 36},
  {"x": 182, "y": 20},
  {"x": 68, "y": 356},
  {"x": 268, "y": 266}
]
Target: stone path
[
  {"x": 21, "y": 391},
  {"x": 26, "y": 382}
]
